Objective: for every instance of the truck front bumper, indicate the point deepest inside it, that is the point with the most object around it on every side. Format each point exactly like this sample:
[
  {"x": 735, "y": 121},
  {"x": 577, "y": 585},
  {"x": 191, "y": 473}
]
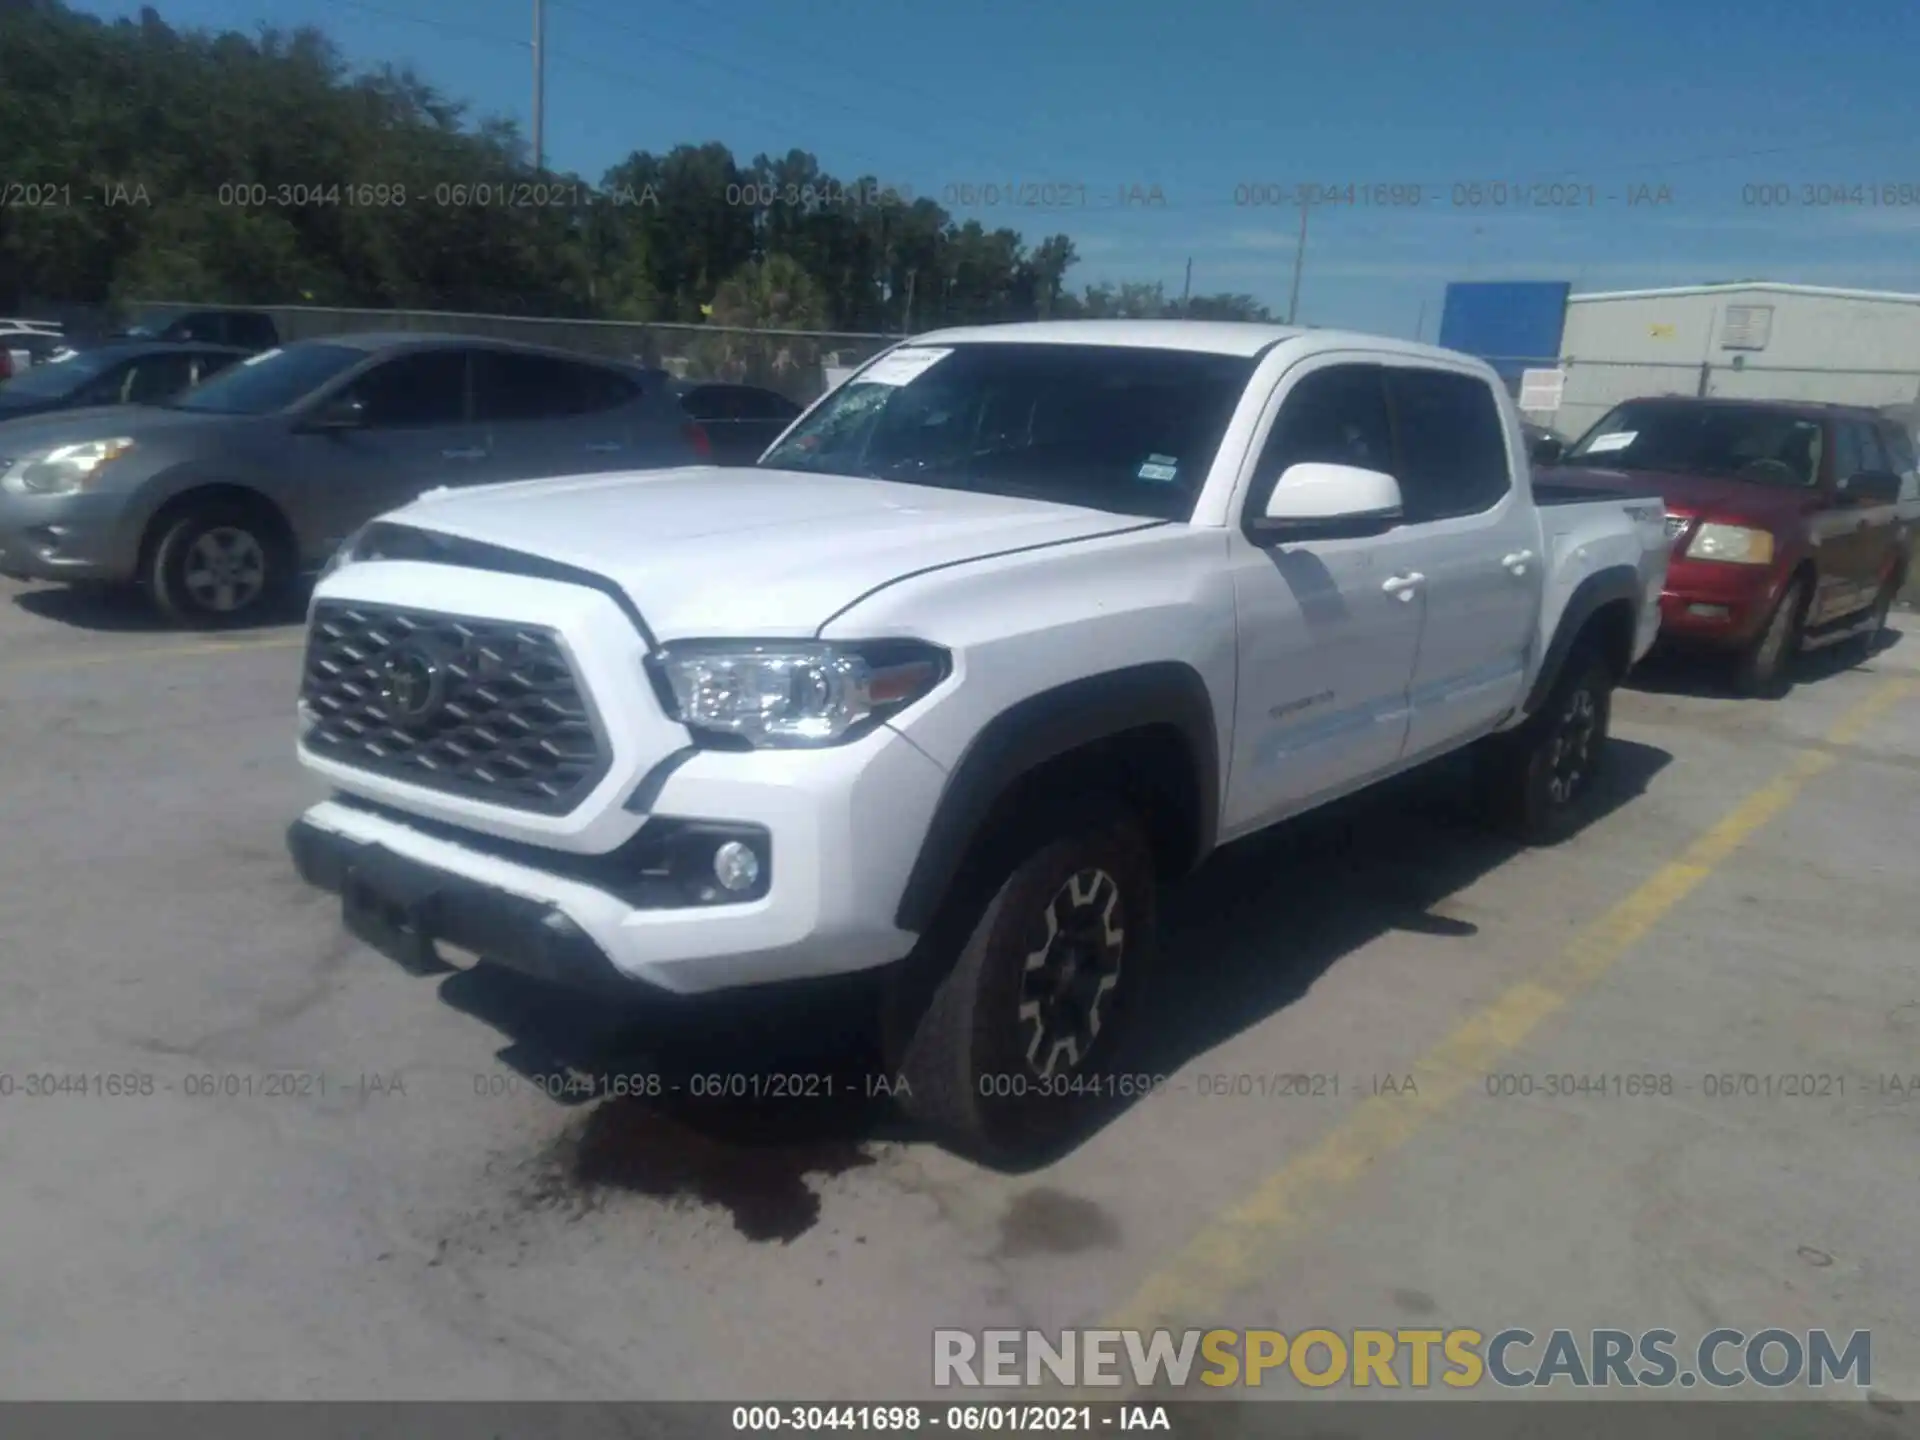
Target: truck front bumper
[
  {"x": 407, "y": 910},
  {"x": 838, "y": 829}
]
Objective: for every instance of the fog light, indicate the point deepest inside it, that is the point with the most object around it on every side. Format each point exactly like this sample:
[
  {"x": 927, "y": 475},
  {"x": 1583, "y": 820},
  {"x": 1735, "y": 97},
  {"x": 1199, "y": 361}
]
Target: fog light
[{"x": 736, "y": 867}]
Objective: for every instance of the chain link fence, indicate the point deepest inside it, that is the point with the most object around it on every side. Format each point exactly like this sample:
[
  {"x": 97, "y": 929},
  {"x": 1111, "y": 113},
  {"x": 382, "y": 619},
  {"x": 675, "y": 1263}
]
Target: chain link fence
[{"x": 793, "y": 362}]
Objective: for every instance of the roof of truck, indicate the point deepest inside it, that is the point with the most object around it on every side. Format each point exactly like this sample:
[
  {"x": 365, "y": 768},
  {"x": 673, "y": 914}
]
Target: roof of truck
[{"x": 1215, "y": 337}]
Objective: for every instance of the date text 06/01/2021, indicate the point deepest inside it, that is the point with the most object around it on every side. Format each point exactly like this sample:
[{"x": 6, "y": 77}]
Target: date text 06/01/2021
[{"x": 889, "y": 1418}]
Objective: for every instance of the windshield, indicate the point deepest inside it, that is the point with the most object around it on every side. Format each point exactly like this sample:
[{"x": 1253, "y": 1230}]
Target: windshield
[
  {"x": 1767, "y": 447},
  {"x": 1127, "y": 430},
  {"x": 271, "y": 381},
  {"x": 56, "y": 379}
]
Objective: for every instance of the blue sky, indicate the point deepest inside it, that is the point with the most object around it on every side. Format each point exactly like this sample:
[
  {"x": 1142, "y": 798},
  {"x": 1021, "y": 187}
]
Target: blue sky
[{"x": 1202, "y": 98}]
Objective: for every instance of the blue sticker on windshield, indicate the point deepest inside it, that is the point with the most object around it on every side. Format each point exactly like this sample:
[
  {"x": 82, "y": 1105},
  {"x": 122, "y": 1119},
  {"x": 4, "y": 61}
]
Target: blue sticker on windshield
[{"x": 1160, "y": 467}]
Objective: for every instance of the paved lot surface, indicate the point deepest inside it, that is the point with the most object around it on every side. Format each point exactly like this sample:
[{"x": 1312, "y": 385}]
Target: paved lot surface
[{"x": 417, "y": 1220}]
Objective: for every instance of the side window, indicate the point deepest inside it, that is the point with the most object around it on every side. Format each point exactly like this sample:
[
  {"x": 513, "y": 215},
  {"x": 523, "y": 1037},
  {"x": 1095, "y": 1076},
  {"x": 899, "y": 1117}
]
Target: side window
[
  {"x": 158, "y": 376},
  {"x": 107, "y": 388},
  {"x": 1872, "y": 457},
  {"x": 194, "y": 327},
  {"x": 1847, "y": 459},
  {"x": 427, "y": 388},
  {"x": 1452, "y": 446},
  {"x": 211, "y": 364},
  {"x": 765, "y": 405},
  {"x": 1335, "y": 416},
  {"x": 711, "y": 403},
  {"x": 513, "y": 386},
  {"x": 1899, "y": 447},
  {"x": 255, "y": 332}
]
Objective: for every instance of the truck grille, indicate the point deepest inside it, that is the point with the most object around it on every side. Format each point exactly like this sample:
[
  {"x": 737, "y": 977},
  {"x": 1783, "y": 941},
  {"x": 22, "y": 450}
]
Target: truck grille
[{"x": 478, "y": 708}]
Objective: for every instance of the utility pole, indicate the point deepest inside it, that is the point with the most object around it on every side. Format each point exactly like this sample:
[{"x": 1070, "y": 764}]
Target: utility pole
[
  {"x": 1299, "y": 255},
  {"x": 539, "y": 86},
  {"x": 1186, "y": 290},
  {"x": 906, "y": 314}
]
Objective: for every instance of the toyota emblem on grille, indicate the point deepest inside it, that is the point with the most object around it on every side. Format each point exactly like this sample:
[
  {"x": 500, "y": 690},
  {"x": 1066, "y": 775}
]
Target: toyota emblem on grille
[{"x": 413, "y": 684}]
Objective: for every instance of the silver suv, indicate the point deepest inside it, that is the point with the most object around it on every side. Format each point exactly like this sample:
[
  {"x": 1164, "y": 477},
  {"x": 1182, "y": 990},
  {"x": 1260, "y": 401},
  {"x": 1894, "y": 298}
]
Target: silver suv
[{"x": 215, "y": 500}]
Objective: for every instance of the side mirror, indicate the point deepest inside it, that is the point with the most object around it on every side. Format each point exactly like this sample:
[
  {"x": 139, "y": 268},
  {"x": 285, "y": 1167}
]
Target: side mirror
[
  {"x": 1872, "y": 487},
  {"x": 1549, "y": 450},
  {"x": 343, "y": 412},
  {"x": 1315, "y": 501}
]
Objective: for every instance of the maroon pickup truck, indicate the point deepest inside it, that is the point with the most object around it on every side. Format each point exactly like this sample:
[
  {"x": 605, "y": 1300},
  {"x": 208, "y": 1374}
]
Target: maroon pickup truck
[{"x": 1786, "y": 529}]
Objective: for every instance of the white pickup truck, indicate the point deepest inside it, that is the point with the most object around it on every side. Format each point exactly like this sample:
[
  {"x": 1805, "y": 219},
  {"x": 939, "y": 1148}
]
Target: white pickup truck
[{"x": 1013, "y": 625}]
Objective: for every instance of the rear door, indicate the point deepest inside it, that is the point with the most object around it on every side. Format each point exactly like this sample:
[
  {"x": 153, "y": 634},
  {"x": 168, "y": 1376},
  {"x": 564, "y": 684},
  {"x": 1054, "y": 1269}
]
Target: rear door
[
  {"x": 1880, "y": 533},
  {"x": 417, "y": 435},
  {"x": 1477, "y": 535},
  {"x": 548, "y": 416},
  {"x": 1854, "y": 534}
]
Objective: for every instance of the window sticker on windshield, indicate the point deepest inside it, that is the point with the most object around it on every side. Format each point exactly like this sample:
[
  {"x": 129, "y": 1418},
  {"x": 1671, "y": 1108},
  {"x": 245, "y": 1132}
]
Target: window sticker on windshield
[
  {"x": 1618, "y": 440},
  {"x": 903, "y": 366},
  {"x": 1160, "y": 467}
]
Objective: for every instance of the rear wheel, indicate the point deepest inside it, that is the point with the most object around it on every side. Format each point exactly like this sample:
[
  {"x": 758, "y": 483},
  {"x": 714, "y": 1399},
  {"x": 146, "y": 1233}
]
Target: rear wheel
[
  {"x": 216, "y": 565},
  {"x": 1537, "y": 783},
  {"x": 1010, "y": 1021},
  {"x": 1763, "y": 668}
]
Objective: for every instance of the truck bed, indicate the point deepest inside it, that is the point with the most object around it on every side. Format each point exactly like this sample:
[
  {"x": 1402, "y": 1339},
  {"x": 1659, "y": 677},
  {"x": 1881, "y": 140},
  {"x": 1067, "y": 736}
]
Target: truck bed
[{"x": 1549, "y": 489}]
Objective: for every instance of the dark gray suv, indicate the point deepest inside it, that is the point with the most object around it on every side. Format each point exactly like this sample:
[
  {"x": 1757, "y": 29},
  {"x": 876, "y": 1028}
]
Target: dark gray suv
[{"x": 217, "y": 499}]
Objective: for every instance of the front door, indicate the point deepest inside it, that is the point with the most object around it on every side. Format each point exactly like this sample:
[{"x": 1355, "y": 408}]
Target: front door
[
  {"x": 1478, "y": 536},
  {"x": 1328, "y": 629},
  {"x": 415, "y": 436}
]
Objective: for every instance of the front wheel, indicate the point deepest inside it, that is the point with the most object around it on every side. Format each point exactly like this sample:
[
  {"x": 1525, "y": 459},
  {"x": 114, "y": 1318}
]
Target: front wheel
[
  {"x": 215, "y": 566},
  {"x": 1868, "y": 640},
  {"x": 1762, "y": 669},
  {"x": 1538, "y": 782},
  {"x": 1009, "y": 1021}
]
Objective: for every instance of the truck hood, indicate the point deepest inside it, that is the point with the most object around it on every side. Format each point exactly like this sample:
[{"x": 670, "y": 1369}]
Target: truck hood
[
  {"x": 1714, "y": 497},
  {"x": 710, "y": 551}
]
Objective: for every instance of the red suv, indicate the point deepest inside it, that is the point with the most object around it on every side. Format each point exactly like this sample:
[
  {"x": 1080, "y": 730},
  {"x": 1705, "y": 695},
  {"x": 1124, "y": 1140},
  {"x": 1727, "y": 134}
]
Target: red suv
[{"x": 1787, "y": 533}]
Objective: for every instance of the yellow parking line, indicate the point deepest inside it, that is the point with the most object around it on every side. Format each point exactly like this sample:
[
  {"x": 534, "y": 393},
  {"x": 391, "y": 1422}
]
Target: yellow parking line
[
  {"x": 165, "y": 652},
  {"x": 1237, "y": 1247}
]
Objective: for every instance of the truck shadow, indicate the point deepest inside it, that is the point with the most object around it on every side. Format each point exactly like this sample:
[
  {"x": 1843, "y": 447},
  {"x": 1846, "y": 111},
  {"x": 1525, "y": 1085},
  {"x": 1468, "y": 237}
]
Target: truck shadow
[
  {"x": 736, "y": 1100},
  {"x": 122, "y": 611}
]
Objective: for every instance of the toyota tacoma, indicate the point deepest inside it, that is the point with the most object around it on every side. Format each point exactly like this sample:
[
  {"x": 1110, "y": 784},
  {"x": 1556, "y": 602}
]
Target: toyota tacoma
[{"x": 1014, "y": 625}]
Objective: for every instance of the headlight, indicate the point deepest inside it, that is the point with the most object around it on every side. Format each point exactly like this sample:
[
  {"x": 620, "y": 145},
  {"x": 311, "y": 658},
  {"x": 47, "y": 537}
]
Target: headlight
[
  {"x": 63, "y": 470},
  {"x": 794, "y": 693},
  {"x": 1733, "y": 543}
]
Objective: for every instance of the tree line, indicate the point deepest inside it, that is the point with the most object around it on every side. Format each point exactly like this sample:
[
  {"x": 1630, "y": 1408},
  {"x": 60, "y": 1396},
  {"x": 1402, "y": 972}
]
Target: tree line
[{"x": 145, "y": 161}]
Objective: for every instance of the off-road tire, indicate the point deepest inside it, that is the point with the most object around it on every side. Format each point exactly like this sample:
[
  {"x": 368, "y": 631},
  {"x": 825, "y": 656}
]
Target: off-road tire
[
  {"x": 958, "y": 1026},
  {"x": 1537, "y": 783}
]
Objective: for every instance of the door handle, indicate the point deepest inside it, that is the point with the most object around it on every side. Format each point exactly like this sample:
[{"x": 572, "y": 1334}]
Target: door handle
[
  {"x": 1518, "y": 561},
  {"x": 603, "y": 447},
  {"x": 1403, "y": 586},
  {"x": 475, "y": 452}
]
